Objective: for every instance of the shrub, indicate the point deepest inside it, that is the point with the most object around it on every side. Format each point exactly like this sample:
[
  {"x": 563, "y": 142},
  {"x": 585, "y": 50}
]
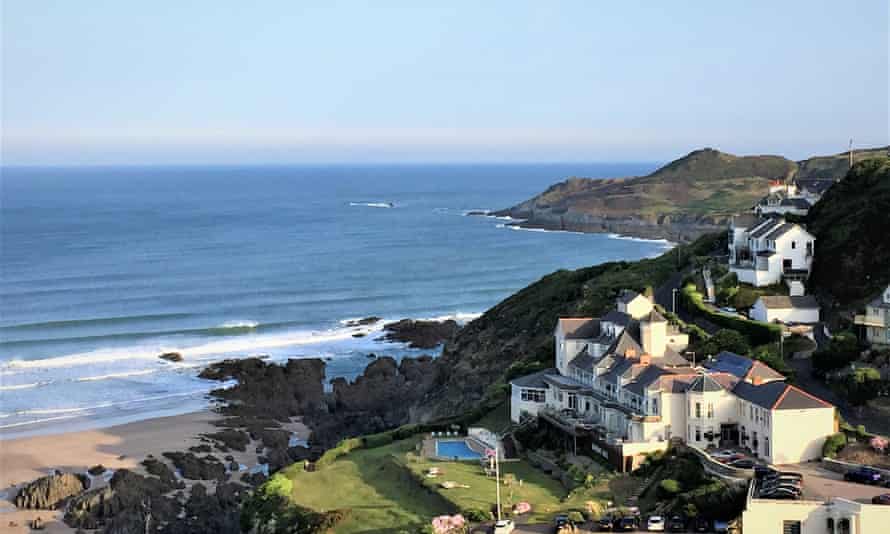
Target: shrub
[
  {"x": 744, "y": 298},
  {"x": 669, "y": 487},
  {"x": 863, "y": 385},
  {"x": 723, "y": 340},
  {"x": 833, "y": 444},
  {"x": 343, "y": 448},
  {"x": 476, "y": 515},
  {"x": 758, "y": 333},
  {"x": 576, "y": 517},
  {"x": 377, "y": 440}
]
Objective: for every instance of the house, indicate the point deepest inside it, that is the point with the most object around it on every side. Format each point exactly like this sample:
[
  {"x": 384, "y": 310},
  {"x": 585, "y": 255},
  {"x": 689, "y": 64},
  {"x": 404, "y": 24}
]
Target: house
[
  {"x": 785, "y": 198},
  {"x": 788, "y": 310},
  {"x": 765, "y": 251},
  {"x": 876, "y": 320},
  {"x": 834, "y": 515},
  {"x": 621, "y": 388}
]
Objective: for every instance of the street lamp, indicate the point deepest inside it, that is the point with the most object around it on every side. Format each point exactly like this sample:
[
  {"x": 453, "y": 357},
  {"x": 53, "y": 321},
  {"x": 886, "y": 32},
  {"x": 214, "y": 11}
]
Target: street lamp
[{"x": 674, "y": 300}]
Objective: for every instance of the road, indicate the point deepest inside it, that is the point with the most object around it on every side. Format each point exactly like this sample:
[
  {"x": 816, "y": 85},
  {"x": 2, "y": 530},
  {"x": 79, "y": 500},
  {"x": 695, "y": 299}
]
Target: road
[{"x": 664, "y": 297}]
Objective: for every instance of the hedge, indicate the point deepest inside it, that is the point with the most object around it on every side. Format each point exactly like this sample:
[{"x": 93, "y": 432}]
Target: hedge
[
  {"x": 758, "y": 333},
  {"x": 833, "y": 444},
  {"x": 342, "y": 449}
]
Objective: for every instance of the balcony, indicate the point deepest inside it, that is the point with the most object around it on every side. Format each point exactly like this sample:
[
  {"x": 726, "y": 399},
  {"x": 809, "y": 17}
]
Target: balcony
[
  {"x": 869, "y": 320},
  {"x": 571, "y": 421}
]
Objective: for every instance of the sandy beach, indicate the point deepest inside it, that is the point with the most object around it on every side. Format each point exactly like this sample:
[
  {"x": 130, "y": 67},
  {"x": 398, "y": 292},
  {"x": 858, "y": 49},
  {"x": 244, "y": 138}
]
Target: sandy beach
[{"x": 124, "y": 446}]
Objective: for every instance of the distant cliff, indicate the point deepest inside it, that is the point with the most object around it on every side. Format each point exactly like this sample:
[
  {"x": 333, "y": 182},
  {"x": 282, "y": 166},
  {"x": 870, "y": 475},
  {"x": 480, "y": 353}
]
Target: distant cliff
[{"x": 686, "y": 198}]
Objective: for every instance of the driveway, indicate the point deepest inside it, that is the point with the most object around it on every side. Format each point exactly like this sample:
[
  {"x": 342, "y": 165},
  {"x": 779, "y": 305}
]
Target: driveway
[{"x": 821, "y": 484}]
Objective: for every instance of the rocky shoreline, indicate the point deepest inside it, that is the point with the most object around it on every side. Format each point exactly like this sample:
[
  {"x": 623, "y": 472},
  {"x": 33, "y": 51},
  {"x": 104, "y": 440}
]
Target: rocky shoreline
[{"x": 202, "y": 488}]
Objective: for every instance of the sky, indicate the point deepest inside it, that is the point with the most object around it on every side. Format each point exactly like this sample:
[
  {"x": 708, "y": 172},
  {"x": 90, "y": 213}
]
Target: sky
[{"x": 233, "y": 82}]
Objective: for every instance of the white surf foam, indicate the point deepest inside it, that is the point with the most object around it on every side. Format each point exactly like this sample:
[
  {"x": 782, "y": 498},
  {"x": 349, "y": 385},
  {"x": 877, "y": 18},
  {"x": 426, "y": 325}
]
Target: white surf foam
[
  {"x": 373, "y": 204},
  {"x": 664, "y": 242},
  {"x": 239, "y": 324}
]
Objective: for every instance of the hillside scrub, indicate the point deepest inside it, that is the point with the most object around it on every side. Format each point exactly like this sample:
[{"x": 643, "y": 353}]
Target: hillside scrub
[{"x": 757, "y": 333}]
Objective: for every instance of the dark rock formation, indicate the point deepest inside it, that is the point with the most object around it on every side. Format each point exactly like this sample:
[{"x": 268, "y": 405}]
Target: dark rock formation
[
  {"x": 161, "y": 470},
  {"x": 96, "y": 470},
  {"x": 123, "y": 504},
  {"x": 48, "y": 492},
  {"x": 171, "y": 356},
  {"x": 231, "y": 438},
  {"x": 363, "y": 322},
  {"x": 420, "y": 334},
  {"x": 195, "y": 468}
]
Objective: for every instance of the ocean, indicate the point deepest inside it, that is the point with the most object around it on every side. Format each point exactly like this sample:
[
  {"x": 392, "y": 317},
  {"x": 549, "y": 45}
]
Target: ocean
[{"x": 105, "y": 268}]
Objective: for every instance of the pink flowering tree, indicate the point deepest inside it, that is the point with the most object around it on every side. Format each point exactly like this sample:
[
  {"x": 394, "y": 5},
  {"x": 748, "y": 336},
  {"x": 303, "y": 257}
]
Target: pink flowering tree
[
  {"x": 449, "y": 524},
  {"x": 879, "y": 444}
]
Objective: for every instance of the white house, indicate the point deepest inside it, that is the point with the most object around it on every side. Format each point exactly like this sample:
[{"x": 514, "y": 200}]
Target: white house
[
  {"x": 764, "y": 251},
  {"x": 810, "y": 515},
  {"x": 876, "y": 320},
  {"x": 788, "y": 310},
  {"x": 621, "y": 388},
  {"x": 785, "y": 198}
]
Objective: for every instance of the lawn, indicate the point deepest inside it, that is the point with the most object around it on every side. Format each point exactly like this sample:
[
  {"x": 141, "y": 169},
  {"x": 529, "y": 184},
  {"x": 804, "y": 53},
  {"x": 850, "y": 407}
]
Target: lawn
[
  {"x": 378, "y": 486},
  {"x": 381, "y": 495}
]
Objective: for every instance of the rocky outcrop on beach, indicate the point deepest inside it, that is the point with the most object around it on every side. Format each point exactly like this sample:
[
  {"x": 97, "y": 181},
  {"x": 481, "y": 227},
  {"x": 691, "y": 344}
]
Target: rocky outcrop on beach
[
  {"x": 49, "y": 492},
  {"x": 420, "y": 334},
  {"x": 171, "y": 356}
]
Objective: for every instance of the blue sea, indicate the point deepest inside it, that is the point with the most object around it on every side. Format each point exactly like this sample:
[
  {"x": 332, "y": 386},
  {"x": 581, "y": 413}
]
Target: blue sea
[{"x": 105, "y": 268}]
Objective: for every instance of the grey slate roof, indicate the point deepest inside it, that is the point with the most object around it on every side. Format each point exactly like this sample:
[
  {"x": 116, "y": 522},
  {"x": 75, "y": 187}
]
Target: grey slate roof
[
  {"x": 627, "y": 341},
  {"x": 704, "y": 383},
  {"x": 781, "y": 230},
  {"x": 801, "y": 203},
  {"x": 783, "y": 302},
  {"x": 626, "y": 296},
  {"x": 879, "y": 302},
  {"x": 617, "y": 317},
  {"x": 778, "y": 396},
  {"x": 583, "y": 360},
  {"x": 534, "y": 380},
  {"x": 746, "y": 220},
  {"x": 671, "y": 358},
  {"x": 654, "y": 317},
  {"x": 649, "y": 376},
  {"x": 763, "y": 229}
]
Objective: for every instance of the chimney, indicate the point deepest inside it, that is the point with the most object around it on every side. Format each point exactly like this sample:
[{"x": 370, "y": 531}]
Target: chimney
[
  {"x": 646, "y": 359},
  {"x": 757, "y": 380},
  {"x": 630, "y": 353}
]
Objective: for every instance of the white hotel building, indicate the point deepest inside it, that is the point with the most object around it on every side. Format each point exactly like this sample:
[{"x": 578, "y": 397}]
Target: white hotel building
[{"x": 621, "y": 388}]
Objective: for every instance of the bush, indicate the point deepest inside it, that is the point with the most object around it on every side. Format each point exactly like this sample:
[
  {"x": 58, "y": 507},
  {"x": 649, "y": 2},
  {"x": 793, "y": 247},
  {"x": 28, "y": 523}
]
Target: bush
[
  {"x": 669, "y": 487},
  {"x": 758, "y": 333},
  {"x": 343, "y": 448},
  {"x": 833, "y": 444},
  {"x": 723, "y": 340},
  {"x": 576, "y": 517},
  {"x": 377, "y": 440},
  {"x": 476, "y": 515},
  {"x": 744, "y": 298},
  {"x": 840, "y": 351}
]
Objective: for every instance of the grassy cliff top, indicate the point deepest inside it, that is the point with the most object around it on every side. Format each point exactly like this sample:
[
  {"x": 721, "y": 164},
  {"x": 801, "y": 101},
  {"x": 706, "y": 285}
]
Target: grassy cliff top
[{"x": 705, "y": 182}]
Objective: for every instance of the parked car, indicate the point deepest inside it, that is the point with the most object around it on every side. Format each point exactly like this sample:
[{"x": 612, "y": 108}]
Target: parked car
[
  {"x": 677, "y": 523},
  {"x": 881, "y": 499},
  {"x": 628, "y": 523},
  {"x": 504, "y": 526},
  {"x": 864, "y": 475},
  {"x": 782, "y": 492},
  {"x": 743, "y": 463},
  {"x": 701, "y": 525},
  {"x": 655, "y": 523},
  {"x": 605, "y": 523},
  {"x": 762, "y": 471},
  {"x": 562, "y": 524},
  {"x": 721, "y": 527}
]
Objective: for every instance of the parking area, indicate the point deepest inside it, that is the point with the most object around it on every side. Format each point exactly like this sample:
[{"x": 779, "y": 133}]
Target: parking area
[{"x": 820, "y": 484}]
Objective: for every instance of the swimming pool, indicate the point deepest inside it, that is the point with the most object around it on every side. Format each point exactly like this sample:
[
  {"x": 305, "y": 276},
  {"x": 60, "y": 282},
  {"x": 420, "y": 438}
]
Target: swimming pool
[{"x": 455, "y": 449}]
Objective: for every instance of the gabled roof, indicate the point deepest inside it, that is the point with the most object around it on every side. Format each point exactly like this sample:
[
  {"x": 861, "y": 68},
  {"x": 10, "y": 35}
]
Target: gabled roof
[
  {"x": 705, "y": 383},
  {"x": 579, "y": 327},
  {"x": 534, "y": 380},
  {"x": 763, "y": 372},
  {"x": 742, "y": 367},
  {"x": 746, "y": 220},
  {"x": 797, "y": 202},
  {"x": 626, "y": 341},
  {"x": 781, "y": 230},
  {"x": 654, "y": 317},
  {"x": 671, "y": 358},
  {"x": 676, "y": 383},
  {"x": 617, "y": 317},
  {"x": 766, "y": 227},
  {"x": 878, "y": 302},
  {"x": 645, "y": 379},
  {"x": 781, "y": 302},
  {"x": 779, "y": 396},
  {"x": 583, "y": 360}
]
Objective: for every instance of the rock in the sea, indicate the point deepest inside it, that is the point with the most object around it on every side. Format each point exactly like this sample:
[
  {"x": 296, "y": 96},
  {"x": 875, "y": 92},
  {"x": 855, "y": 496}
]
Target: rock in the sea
[
  {"x": 171, "y": 356},
  {"x": 359, "y": 334},
  {"x": 421, "y": 334},
  {"x": 362, "y": 322},
  {"x": 49, "y": 492},
  {"x": 482, "y": 213},
  {"x": 96, "y": 470}
]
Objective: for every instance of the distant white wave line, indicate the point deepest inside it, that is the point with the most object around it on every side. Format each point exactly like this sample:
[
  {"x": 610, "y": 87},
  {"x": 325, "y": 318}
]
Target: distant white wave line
[
  {"x": 26, "y": 386},
  {"x": 239, "y": 324},
  {"x": 523, "y": 228},
  {"x": 460, "y": 317},
  {"x": 665, "y": 242},
  {"x": 36, "y": 421},
  {"x": 372, "y": 204},
  {"x": 116, "y": 375}
]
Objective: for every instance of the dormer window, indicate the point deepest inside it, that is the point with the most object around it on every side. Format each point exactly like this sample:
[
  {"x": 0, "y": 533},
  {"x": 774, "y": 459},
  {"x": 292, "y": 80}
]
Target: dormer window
[{"x": 794, "y": 244}]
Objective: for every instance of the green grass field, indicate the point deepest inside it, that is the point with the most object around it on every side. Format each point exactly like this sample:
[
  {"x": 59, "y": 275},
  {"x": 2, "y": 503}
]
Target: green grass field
[{"x": 383, "y": 495}]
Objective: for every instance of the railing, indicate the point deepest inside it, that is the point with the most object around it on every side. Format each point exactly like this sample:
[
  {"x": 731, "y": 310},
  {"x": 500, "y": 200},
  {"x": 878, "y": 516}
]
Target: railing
[
  {"x": 869, "y": 320},
  {"x": 570, "y": 418}
]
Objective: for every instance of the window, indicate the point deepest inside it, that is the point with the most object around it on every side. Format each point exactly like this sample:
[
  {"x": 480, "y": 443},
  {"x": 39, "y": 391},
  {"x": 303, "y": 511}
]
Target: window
[
  {"x": 751, "y": 412},
  {"x": 698, "y": 410},
  {"x": 766, "y": 446},
  {"x": 790, "y": 527},
  {"x": 655, "y": 406},
  {"x": 697, "y": 433},
  {"x": 710, "y": 410},
  {"x": 793, "y": 245},
  {"x": 533, "y": 395}
]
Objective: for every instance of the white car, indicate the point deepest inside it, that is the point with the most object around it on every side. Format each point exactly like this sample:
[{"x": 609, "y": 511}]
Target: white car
[
  {"x": 504, "y": 526},
  {"x": 655, "y": 523}
]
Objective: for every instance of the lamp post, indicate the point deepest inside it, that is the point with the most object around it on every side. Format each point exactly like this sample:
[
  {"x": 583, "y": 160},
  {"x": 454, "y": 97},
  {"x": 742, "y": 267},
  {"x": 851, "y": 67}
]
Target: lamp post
[
  {"x": 674, "y": 300},
  {"x": 693, "y": 357}
]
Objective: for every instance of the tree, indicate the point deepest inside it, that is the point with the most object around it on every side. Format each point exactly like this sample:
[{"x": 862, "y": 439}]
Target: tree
[
  {"x": 744, "y": 298},
  {"x": 724, "y": 339},
  {"x": 863, "y": 385}
]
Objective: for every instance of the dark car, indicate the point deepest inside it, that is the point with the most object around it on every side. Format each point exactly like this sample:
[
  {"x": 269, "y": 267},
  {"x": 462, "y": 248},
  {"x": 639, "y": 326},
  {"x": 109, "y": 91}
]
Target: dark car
[
  {"x": 762, "y": 471},
  {"x": 864, "y": 475},
  {"x": 604, "y": 523},
  {"x": 744, "y": 463},
  {"x": 701, "y": 525},
  {"x": 628, "y": 524},
  {"x": 677, "y": 523},
  {"x": 881, "y": 499},
  {"x": 562, "y": 523}
]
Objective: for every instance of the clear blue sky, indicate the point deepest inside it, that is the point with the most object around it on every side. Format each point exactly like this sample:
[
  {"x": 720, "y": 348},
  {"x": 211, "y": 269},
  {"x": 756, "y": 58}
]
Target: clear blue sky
[{"x": 251, "y": 82}]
